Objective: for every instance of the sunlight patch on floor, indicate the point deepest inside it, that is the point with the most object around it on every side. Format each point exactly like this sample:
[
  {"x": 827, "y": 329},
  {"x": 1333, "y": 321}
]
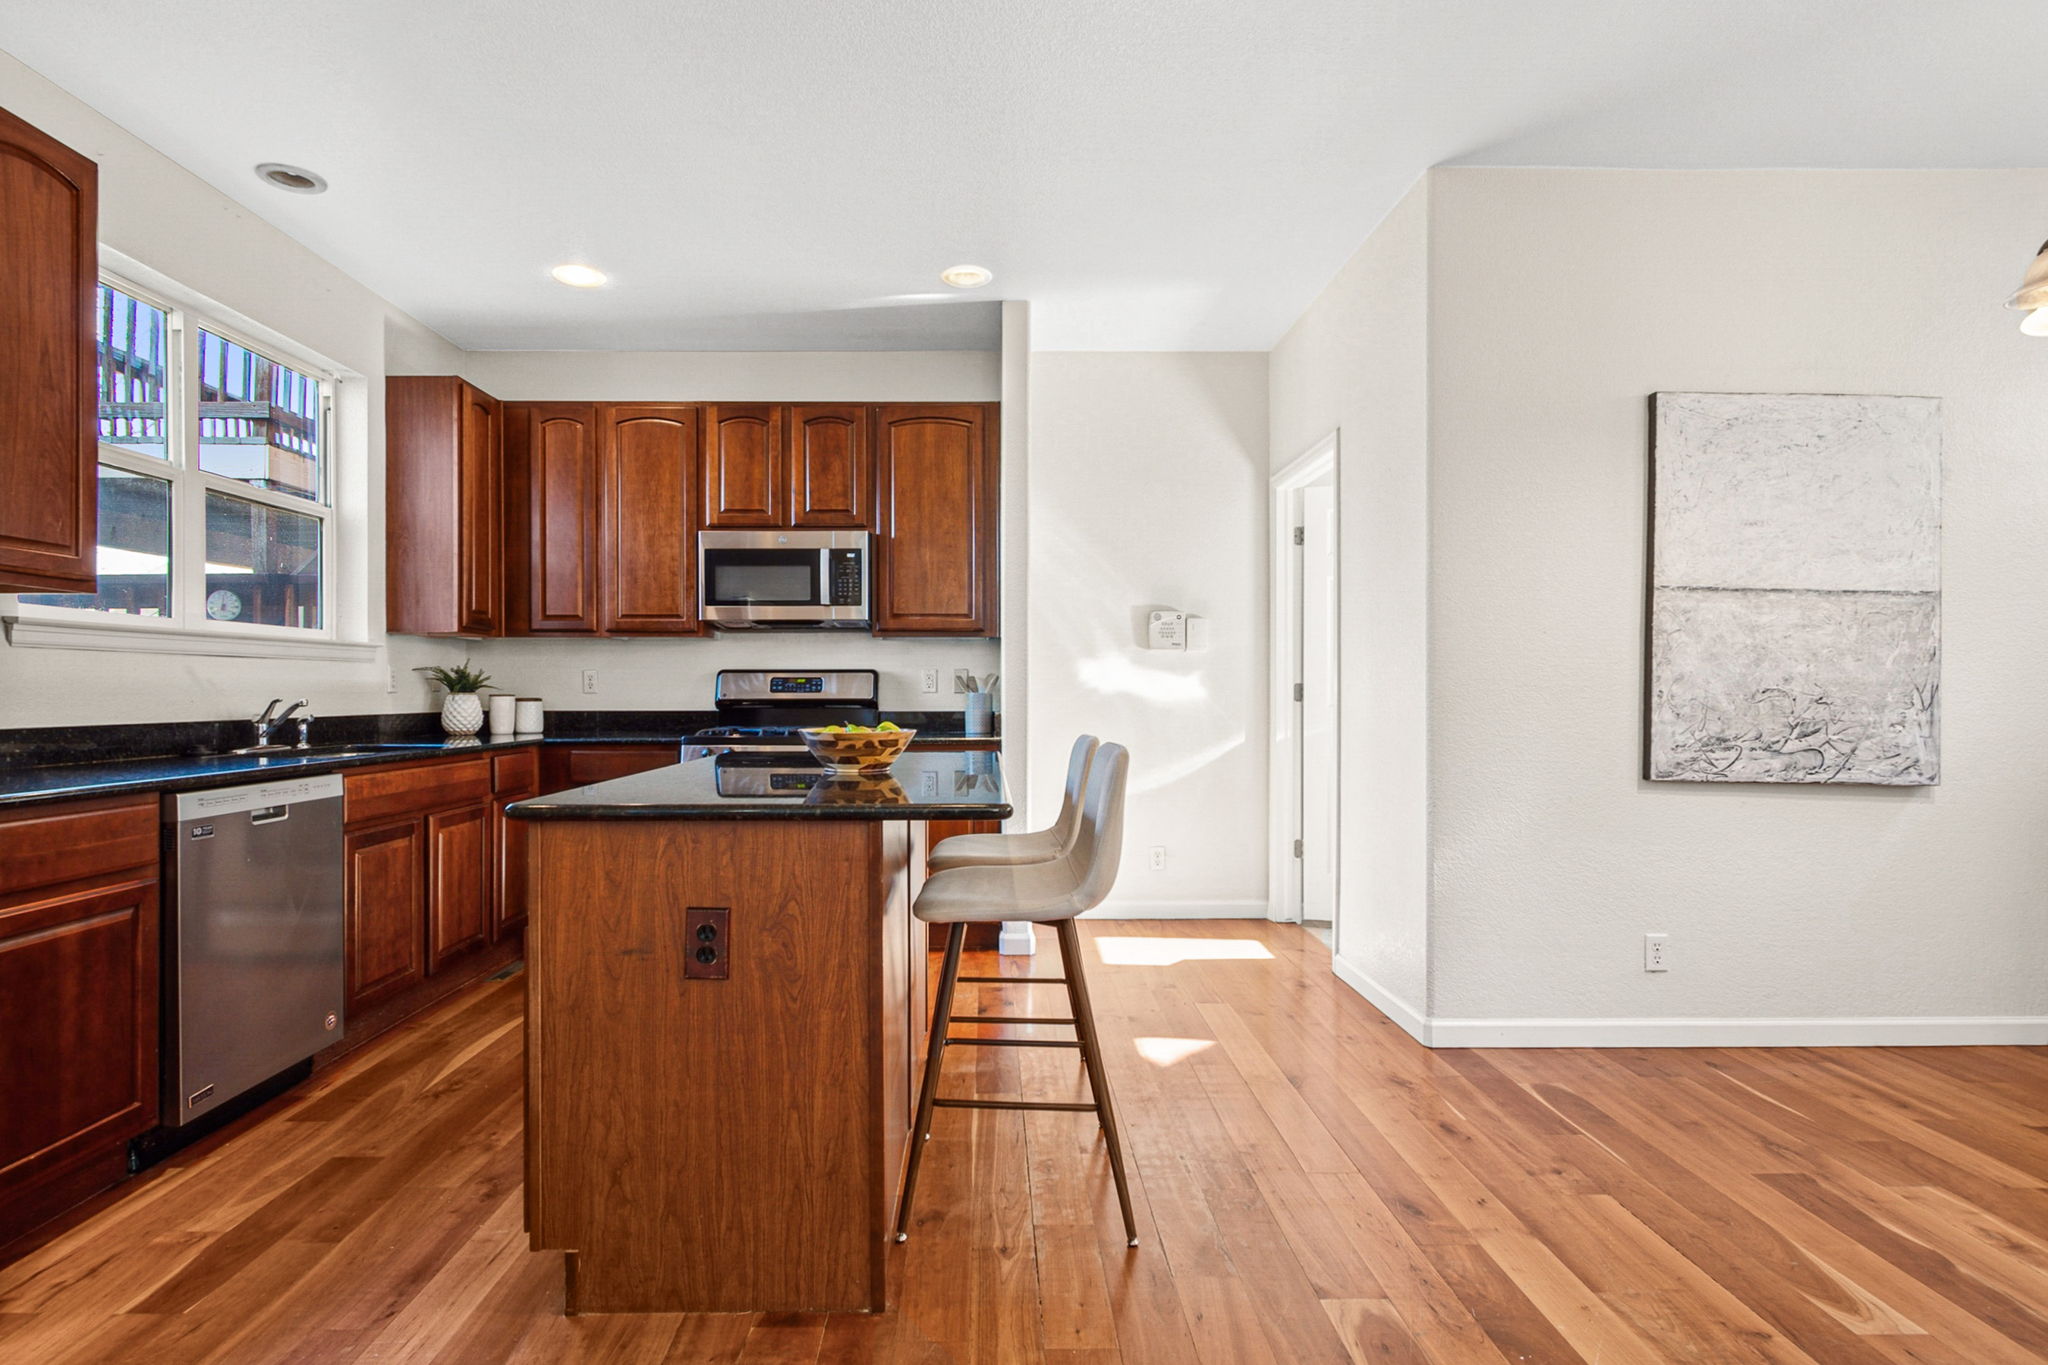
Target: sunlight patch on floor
[
  {"x": 1128, "y": 951},
  {"x": 1170, "y": 1051}
]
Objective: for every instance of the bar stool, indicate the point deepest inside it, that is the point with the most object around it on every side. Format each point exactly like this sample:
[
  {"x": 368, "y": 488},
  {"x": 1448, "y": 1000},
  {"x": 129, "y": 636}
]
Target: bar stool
[
  {"x": 1050, "y": 892},
  {"x": 1038, "y": 846}
]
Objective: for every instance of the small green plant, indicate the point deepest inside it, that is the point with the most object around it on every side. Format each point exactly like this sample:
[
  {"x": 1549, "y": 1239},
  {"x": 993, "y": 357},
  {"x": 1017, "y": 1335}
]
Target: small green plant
[{"x": 461, "y": 678}]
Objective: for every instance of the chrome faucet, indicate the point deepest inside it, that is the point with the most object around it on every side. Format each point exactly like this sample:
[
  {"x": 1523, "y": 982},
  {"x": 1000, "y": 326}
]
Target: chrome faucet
[{"x": 272, "y": 718}]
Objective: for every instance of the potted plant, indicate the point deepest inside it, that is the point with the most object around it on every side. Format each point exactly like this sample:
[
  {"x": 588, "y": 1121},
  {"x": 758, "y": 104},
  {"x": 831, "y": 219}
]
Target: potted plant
[{"x": 463, "y": 712}]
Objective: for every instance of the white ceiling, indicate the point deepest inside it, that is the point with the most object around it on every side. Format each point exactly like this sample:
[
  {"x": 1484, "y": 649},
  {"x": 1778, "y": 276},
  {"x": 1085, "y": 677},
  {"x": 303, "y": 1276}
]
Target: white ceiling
[{"x": 1152, "y": 174}]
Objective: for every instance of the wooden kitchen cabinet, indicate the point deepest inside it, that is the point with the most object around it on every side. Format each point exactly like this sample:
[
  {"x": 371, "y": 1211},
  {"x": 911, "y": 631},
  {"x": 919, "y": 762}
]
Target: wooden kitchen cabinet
[
  {"x": 830, "y": 466},
  {"x": 422, "y": 883},
  {"x": 79, "y": 925},
  {"x": 444, "y": 507},
  {"x": 648, "y": 516},
  {"x": 515, "y": 777},
  {"x": 578, "y": 765},
  {"x": 49, "y": 421},
  {"x": 936, "y": 537},
  {"x": 743, "y": 462},
  {"x": 386, "y": 907},
  {"x": 551, "y": 519}
]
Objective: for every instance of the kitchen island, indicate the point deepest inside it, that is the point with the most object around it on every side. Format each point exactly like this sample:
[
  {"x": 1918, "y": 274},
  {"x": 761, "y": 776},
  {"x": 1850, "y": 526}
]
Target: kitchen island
[{"x": 725, "y": 996}]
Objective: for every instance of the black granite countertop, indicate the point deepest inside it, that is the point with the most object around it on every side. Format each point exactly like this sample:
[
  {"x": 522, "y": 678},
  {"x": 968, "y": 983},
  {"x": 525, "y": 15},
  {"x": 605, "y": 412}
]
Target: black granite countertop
[{"x": 932, "y": 785}]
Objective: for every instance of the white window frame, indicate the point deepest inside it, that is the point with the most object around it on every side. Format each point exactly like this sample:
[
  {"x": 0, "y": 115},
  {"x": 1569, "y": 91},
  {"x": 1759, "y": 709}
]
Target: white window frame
[{"x": 188, "y": 629}]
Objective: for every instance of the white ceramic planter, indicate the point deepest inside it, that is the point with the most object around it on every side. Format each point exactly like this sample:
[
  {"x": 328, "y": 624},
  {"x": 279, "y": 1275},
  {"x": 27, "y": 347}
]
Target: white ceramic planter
[{"x": 462, "y": 713}]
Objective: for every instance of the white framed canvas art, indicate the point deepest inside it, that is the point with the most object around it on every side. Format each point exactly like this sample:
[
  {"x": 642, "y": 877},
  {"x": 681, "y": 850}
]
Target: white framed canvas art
[{"x": 1795, "y": 589}]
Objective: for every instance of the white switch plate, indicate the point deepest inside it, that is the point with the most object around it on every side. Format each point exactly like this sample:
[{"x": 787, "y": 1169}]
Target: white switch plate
[
  {"x": 1656, "y": 952},
  {"x": 930, "y": 680},
  {"x": 589, "y": 682}
]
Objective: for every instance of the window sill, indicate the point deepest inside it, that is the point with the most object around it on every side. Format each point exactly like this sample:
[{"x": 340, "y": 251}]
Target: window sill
[{"x": 41, "y": 633}]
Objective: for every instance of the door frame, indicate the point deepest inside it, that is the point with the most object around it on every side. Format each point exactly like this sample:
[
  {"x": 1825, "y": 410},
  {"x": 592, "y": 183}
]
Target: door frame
[{"x": 1283, "y": 788}]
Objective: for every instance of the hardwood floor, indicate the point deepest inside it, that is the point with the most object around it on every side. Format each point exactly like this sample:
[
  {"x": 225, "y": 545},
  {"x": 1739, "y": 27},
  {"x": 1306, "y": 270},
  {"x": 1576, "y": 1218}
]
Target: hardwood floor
[{"x": 1311, "y": 1186}]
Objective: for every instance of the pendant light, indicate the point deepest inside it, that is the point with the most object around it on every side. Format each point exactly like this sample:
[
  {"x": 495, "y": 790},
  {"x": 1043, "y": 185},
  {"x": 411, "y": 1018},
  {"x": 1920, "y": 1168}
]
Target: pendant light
[{"x": 2032, "y": 295}]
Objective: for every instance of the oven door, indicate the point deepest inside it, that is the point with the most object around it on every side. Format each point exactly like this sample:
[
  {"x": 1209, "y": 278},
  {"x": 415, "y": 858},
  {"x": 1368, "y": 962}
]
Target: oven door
[{"x": 782, "y": 578}]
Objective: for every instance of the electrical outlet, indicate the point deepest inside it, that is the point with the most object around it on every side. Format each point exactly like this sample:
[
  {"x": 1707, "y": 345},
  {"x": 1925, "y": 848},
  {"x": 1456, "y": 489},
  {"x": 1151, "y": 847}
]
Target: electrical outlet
[
  {"x": 390, "y": 680},
  {"x": 961, "y": 677},
  {"x": 931, "y": 680},
  {"x": 589, "y": 682},
  {"x": 1656, "y": 952},
  {"x": 1159, "y": 857},
  {"x": 707, "y": 931}
]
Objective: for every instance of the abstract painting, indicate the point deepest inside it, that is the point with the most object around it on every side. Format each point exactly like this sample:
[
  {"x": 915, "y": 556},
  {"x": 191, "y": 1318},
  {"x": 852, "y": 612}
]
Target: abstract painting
[{"x": 1795, "y": 589}]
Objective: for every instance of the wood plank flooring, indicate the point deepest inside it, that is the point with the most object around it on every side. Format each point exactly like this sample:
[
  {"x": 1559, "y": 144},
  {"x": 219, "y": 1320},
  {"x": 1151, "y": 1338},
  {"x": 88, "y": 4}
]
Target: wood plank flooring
[{"x": 1311, "y": 1187}]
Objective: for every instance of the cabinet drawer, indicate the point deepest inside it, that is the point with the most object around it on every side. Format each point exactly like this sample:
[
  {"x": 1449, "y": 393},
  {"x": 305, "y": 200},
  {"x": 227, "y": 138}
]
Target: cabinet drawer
[
  {"x": 515, "y": 772},
  {"x": 56, "y": 844},
  {"x": 379, "y": 793}
]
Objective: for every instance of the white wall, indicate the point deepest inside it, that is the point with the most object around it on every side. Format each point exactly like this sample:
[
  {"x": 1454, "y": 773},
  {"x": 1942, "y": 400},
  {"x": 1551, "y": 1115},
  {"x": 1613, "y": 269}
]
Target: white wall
[
  {"x": 1147, "y": 485},
  {"x": 1560, "y": 299},
  {"x": 1357, "y": 363},
  {"x": 637, "y": 675},
  {"x": 159, "y": 214}
]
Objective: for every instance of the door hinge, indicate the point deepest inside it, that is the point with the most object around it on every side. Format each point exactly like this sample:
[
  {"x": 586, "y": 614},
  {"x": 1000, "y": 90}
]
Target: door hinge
[
  {"x": 1297, "y": 692},
  {"x": 1301, "y": 535},
  {"x": 1297, "y": 848}
]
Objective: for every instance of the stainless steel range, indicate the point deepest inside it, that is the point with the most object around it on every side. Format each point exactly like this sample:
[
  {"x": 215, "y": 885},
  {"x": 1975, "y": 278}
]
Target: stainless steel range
[{"x": 761, "y": 712}]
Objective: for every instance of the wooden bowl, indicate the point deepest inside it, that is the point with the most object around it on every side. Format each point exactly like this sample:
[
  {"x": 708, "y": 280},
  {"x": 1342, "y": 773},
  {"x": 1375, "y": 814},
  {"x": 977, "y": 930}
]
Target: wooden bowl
[{"x": 858, "y": 751}]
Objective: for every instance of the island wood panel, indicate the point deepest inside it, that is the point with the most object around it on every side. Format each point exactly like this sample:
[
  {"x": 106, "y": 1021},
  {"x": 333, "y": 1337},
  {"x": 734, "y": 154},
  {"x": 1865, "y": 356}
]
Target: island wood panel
[
  {"x": 743, "y": 457},
  {"x": 648, "y": 514},
  {"x": 49, "y": 276},
  {"x": 935, "y": 569},
  {"x": 715, "y": 1145},
  {"x": 552, "y": 476},
  {"x": 831, "y": 466}
]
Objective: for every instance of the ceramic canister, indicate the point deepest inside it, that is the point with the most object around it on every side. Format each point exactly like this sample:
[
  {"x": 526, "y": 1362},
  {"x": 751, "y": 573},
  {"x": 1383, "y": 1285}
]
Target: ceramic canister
[
  {"x": 503, "y": 710},
  {"x": 528, "y": 718}
]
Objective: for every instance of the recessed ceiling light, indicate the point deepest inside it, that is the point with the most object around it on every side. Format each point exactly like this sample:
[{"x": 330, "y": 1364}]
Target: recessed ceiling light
[
  {"x": 966, "y": 276},
  {"x": 297, "y": 179},
  {"x": 579, "y": 276}
]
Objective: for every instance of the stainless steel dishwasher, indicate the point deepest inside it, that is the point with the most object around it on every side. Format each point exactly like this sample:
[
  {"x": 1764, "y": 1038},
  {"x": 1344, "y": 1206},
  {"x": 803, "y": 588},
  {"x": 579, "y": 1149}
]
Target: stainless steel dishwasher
[{"x": 254, "y": 973}]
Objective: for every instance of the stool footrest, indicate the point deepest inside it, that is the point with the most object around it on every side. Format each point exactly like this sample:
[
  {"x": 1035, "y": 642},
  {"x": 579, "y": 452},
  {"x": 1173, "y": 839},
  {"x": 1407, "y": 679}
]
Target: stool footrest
[
  {"x": 1013, "y": 1104},
  {"x": 1001, "y": 1019},
  {"x": 1013, "y": 1042},
  {"x": 1016, "y": 980}
]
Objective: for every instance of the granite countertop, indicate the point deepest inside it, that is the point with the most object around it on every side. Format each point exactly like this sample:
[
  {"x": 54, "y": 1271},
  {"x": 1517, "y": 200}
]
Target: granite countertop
[
  {"x": 930, "y": 785},
  {"x": 69, "y": 763}
]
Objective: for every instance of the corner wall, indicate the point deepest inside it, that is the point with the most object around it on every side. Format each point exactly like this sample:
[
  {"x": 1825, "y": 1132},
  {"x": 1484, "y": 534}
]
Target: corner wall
[
  {"x": 1559, "y": 300},
  {"x": 1147, "y": 484},
  {"x": 1357, "y": 363}
]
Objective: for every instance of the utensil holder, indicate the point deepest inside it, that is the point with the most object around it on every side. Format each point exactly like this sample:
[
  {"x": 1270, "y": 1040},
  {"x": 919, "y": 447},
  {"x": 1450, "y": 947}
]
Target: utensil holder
[{"x": 979, "y": 719}]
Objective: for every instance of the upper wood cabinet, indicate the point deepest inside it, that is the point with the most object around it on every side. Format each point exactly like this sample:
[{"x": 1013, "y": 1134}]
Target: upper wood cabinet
[
  {"x": 444, "y": 507},
  {"x": 743, "y": 458},
  {"x": 551, "y": 521},
  {"x": 831, "y": 466},
  {"x": 935, "y": 541},
  {"x": 49, "y": 422},
  {"x": 649, "y": 520}
]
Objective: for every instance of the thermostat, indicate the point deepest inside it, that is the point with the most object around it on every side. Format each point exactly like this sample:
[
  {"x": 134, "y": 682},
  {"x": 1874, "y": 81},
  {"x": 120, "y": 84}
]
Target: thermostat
[{"x": 1169, "y": 630}]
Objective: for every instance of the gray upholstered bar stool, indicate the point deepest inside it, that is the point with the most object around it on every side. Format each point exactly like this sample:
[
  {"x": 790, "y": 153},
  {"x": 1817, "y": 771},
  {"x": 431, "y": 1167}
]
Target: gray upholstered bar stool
[
  {"x": 1050, "y": 892},
  {"x": 1038, "y": 846}
]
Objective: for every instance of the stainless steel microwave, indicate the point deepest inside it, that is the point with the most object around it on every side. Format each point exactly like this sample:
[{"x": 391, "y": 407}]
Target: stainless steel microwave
[{"x": 783, "y": 579}]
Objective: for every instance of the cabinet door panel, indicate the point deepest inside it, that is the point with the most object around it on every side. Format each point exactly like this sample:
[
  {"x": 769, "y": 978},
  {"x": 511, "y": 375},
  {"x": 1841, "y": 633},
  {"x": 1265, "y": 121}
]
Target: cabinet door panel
[
  {"x": 743, "y": 465},
  {"x": 551, "y": 519},
  {"x": 458, "y": 882},
  {"x": 649, "y": 520},
  {"x": 508, "y": 905},
  {"x": 935, "y": 553},
  {"x": 78, "y": 1013},
  {"x": 386, "y": 911},
  {"x": 831, "y": 465},
  {"x": 49, "y": 261},
  {"x": 481, "y": 512}
]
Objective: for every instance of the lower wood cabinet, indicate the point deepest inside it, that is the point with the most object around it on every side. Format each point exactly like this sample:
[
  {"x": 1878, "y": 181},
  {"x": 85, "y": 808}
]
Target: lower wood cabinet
[
  {"x": 515, "y": 777},
  {"x": 387, "y": 901},
  {"x": 570, "y": 765},
  {"x": 79, "y": 925},
  {"x": 459, "y": 882}
]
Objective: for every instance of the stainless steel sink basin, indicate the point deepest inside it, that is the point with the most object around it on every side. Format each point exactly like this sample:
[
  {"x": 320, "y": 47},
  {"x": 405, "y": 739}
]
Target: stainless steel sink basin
[{"x": 319, "y": 751}]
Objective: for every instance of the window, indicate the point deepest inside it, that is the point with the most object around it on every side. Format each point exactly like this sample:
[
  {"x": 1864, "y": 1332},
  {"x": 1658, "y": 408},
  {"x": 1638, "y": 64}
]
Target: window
[{"x": 214, "y": 490}]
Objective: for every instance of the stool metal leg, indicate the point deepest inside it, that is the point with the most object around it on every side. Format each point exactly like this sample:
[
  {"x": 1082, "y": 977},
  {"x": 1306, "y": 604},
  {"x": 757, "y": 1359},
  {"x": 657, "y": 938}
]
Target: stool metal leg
[
  {"x": 934, "y": 1059},
  {"x": 1098, "y": 1079}
]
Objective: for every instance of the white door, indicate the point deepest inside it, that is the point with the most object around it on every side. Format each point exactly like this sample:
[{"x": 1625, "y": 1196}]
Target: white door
[{"x": 1318, "y": 713}]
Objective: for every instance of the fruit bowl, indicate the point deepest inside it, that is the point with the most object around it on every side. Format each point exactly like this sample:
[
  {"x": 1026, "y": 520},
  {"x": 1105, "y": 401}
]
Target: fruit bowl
[{"x": 857, "y": 751}]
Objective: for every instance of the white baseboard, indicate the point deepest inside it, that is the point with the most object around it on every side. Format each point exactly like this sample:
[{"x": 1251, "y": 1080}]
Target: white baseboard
[
  {"x": 1903, "y": 1031},
  {"x": 1414, "y": 1021},
  {"x": 1126, "y": 909}
]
